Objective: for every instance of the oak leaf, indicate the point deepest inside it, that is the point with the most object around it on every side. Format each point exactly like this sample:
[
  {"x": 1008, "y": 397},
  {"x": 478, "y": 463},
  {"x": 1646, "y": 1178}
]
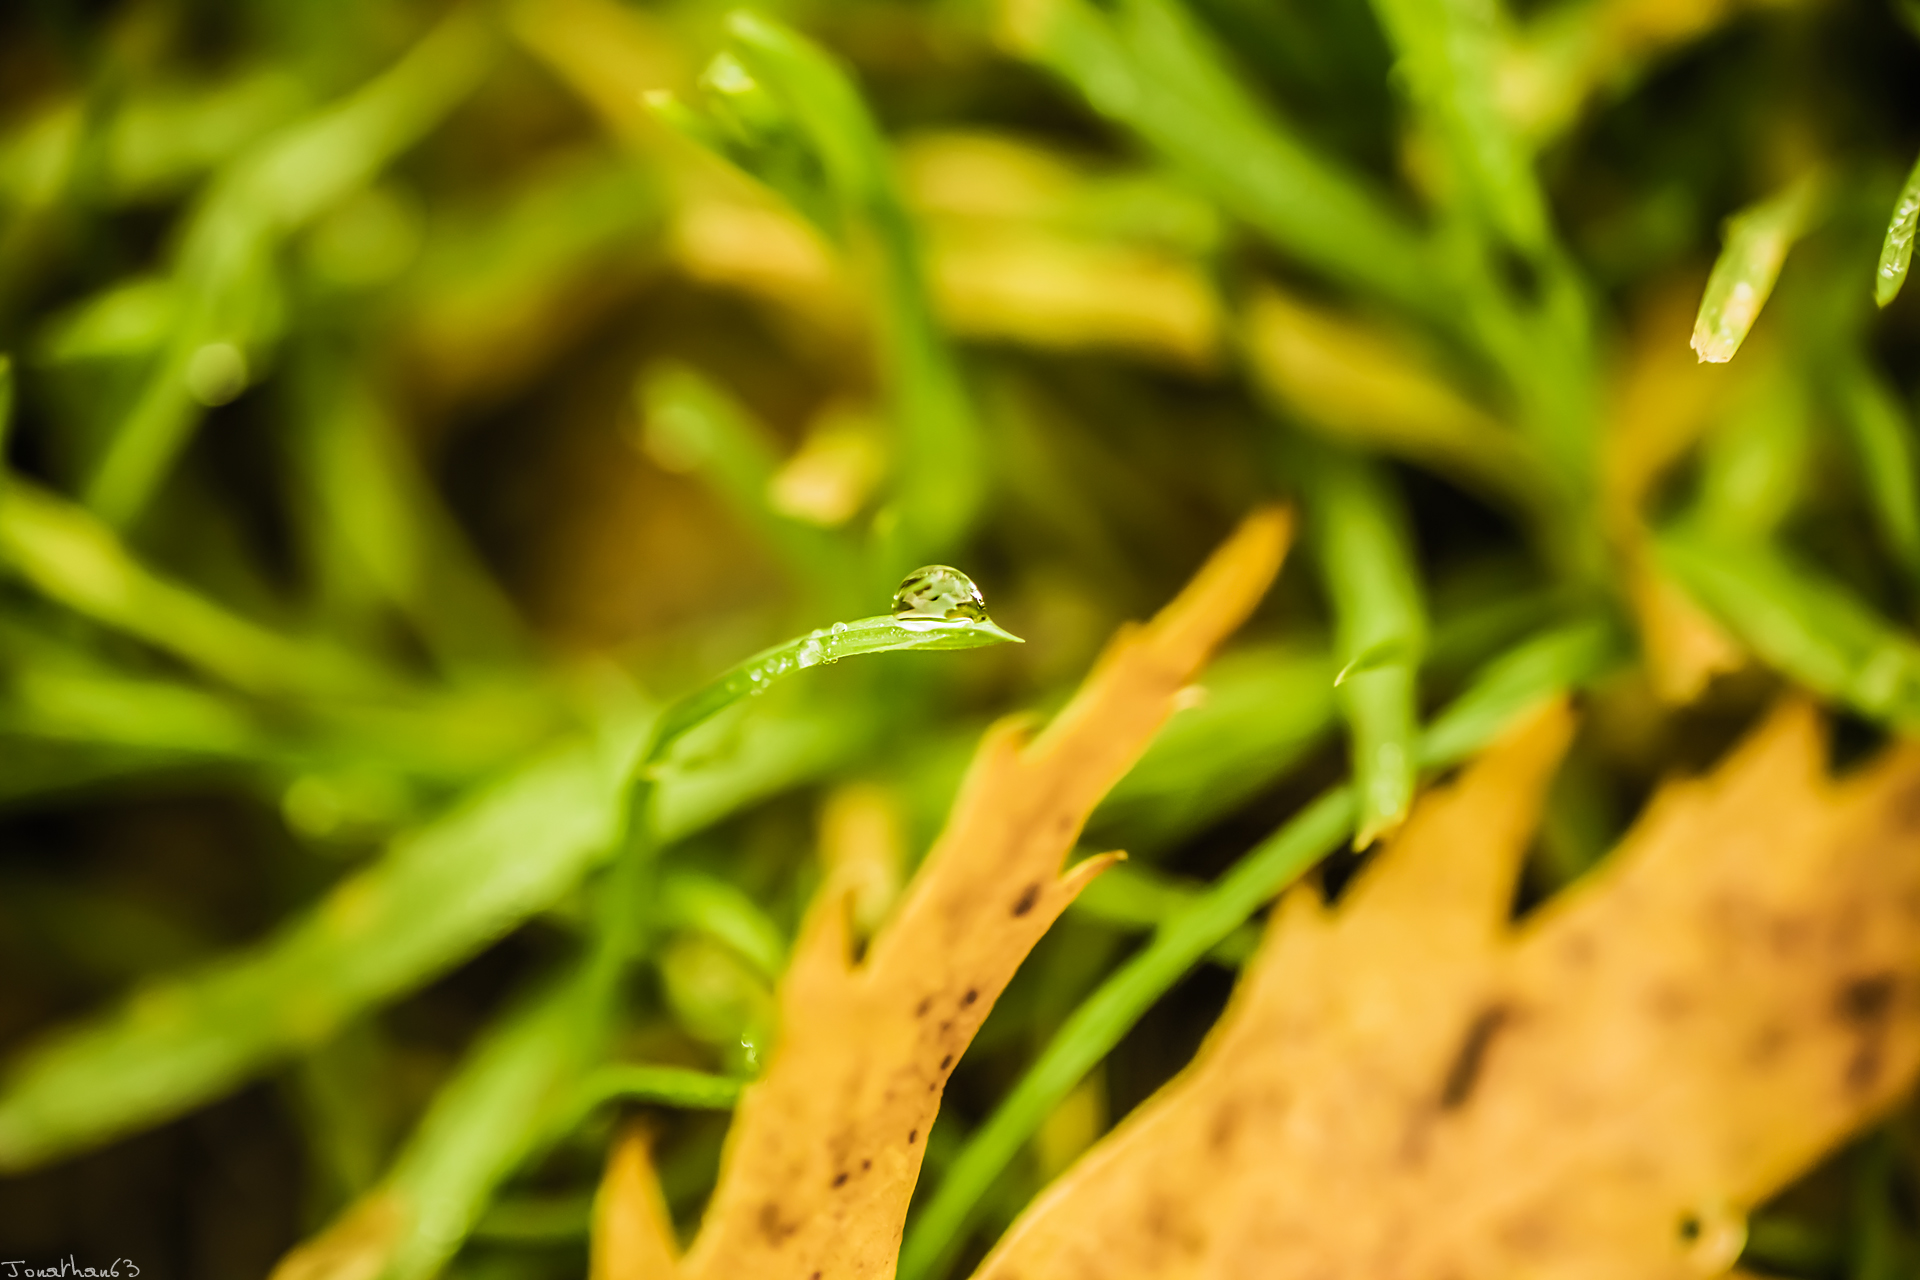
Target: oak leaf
[{"x": 1409, "y": 1086}]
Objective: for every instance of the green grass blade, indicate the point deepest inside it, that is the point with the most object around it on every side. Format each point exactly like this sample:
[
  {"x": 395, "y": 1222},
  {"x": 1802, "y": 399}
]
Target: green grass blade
[
  {"x": 755, "y": 675},
  {"x": 44, "y": 701},
  {"x": 1144, "y": 65},
  {"x": 1361, "y": 544},
  {"x": 72, "y": 558},
  {"x": 691, "y": 900},
  {"x": 1755, "y": 467},
  {"x": 433, "y": 899},
  {"x": 490, "y": 1117},
  {"x": 1882, "y": 437},
  {"x": 1755, "y": 247},
  {"x": 1529, "y": 675},
  {"x": 1132, "y": 897},
  {"x": 766, "y": 754},
  {"x": 436, "y": 897},
  {"x": 659, "y": 1086},
  {"x": 1449, "y": 52},
  {"x": 536, "y": 1220},
  {"x": 789, "y": 87},
  {"x": 1896, "y": 254},
  {"x": 1516, "y": 682},
  {"x": 380, "y": 526},
  {"x": 225, "y": 276},
  {"x": 1800, "y": 621},
  {"x": 1263, "y": 709}
]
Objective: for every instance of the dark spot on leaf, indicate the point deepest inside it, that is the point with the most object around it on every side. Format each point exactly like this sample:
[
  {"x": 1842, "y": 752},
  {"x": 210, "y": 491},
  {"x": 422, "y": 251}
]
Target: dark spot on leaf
[
  {"x": 1669, "y": 1001},
  {"x": 1865, "y": 1001},
  {"x": 839, "y": 1179},
  {"x": 865, "y": 1165},
  {"x": 1864, "y": 1067},
  {"x": 920, "y": 1010},
  {"x": 1226, "y": 1120},
  {"x": 1766, "y": 1045},
  {"x": 1471, "y": 1056},
  {"x": 776, "y": 1231},
  {"x": 1028, "y": 896},
  {"x": 913, "y": 1136},
  {"x": 946, "y": 1062},
  {"x": 1905, "y": 806},
  {"x": 1789, "y": 934},
  {"x": 969, "y": 998}
]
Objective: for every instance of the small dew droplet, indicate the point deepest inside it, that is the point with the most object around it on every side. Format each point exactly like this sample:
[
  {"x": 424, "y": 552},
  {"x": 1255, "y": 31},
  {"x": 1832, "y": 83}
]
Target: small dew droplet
[
  {"x": 811, "y": 653},
  {"x": 940, "y": 593}
]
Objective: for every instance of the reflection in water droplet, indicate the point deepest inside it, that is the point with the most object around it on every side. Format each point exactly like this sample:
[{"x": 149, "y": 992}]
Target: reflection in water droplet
[
  {"x": 811, "y": 652},
  {"x": 937, "y": 593}
]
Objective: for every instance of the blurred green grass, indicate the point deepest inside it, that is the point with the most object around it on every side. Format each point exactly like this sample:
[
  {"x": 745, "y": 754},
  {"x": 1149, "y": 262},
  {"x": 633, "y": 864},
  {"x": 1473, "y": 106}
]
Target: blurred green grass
[{"x": 407, "y": 405}]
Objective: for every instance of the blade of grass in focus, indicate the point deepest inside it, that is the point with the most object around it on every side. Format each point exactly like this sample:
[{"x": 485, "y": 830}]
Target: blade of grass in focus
[
  {"x": 517, "y": 1085},
  {"x": 1521, "y": 680},
  {"x": 881, "y": 634},
  {"x": 435, "y": 897}
]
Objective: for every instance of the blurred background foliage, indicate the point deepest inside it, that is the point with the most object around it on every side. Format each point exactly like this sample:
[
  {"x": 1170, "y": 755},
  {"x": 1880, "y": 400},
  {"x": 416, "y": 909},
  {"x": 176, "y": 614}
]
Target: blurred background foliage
[{"x": 406, "y": 401}]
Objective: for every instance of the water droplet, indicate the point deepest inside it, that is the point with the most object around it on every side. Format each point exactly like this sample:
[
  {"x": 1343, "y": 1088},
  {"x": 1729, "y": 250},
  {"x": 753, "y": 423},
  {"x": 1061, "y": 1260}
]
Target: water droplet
[
  {"x": 811, "y": 652},
  {"x": 840, "y": 628},
  {"x": 937, "y": 593}
]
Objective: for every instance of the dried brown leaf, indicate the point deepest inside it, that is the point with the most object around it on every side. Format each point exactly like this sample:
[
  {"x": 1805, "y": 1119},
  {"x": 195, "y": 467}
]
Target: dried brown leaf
[
  {"x": 632, "y": 1236},
  {"x": 826, "y": 1147},
  {"x": 1409, "y": 1087}
]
